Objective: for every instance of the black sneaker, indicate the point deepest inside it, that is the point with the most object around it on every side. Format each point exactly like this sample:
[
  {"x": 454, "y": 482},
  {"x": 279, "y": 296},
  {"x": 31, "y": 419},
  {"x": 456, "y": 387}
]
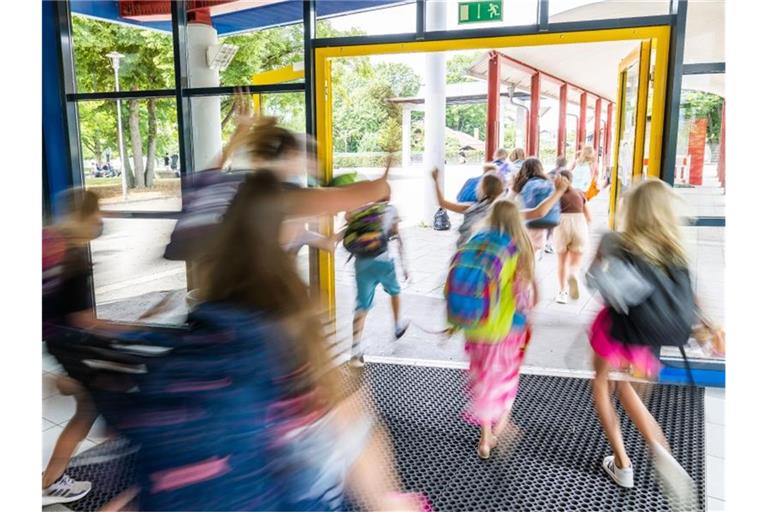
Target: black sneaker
[{"x": 400, "y": 330}]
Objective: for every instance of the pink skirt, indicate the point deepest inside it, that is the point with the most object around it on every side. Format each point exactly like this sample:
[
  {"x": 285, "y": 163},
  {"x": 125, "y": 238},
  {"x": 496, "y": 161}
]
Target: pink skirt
[
  {"x": 639, "y": 360},
  {"x": 494, "y": 376}
]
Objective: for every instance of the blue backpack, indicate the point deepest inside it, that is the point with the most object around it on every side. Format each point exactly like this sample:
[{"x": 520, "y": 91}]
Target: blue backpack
[
  {"x": 534, "y": 192},
  {"x": 473, "y": 284}
]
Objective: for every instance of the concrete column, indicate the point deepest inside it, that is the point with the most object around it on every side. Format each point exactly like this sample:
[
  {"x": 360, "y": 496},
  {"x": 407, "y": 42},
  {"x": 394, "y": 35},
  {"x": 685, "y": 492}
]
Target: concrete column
[
  {"x": 406, "y": 138},
  {"x": 521, "y": 127},
  {"x": 434, "y": 116},
  {"x": 206, "y": 111}
]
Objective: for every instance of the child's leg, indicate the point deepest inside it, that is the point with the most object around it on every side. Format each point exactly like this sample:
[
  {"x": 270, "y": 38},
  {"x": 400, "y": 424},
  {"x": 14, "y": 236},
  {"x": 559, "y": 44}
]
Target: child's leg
[
  {"x": 75, "y": 431},
  {"x": 608, "y": 418},
  {"x": 638, "y": 413},
  {"x": 574, "y": 263},
  {"x": 357, "y": 329},
  {"x": 561, "y": 269},
  {"x": 395, "y": 308},
  {"x": 486, "y": 440}
]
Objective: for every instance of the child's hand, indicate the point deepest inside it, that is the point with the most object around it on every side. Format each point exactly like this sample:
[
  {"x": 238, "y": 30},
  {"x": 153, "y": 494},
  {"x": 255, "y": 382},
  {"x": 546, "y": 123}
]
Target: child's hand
[
  {"x": 435, "y": 174},
  {"x": 561, "y": 183}
]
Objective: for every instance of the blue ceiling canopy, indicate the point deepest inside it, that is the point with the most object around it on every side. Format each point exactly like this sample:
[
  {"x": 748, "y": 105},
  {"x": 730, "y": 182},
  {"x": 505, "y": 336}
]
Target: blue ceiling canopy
[{"x": 284, "y": 12}]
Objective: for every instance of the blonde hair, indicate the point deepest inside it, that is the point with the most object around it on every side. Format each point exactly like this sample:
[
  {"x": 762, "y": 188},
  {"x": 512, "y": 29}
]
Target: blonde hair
[
  {"x": 505, "y": 217},
  {"x": 518, "y": 154},
  {"x": 650, "y": 225},
  {"x": 489, "y": 166},
  {"x": 587, "y": 154},
  {"x": 263, "y": 141},
  {"x": 491, "y": 186}
]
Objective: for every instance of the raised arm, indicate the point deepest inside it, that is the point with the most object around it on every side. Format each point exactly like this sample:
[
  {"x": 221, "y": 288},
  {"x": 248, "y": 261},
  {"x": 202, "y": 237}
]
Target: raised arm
[
  {"x": 444, "y": 203},
  {"x": 308, "y": 202},
  {"x": 561, "y": 185}
]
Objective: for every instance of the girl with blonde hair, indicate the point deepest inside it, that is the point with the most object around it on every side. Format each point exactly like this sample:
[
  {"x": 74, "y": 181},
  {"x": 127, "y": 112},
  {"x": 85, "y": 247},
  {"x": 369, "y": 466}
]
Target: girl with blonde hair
[
  {"x": 584, "y": 168},
  {"x": 497, "y": 346},
  {"x": 628, "y": 333}
]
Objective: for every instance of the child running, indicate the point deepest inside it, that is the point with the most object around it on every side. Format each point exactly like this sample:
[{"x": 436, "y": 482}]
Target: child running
[
  {"x": 498, "y": 260},
  {"x": 628, "y": 334},
  {"x": 491, "y": 187},
  {"x": 571, "y": 239},
  {"x": 533, "y": 186},
  {"x": 370, "y": 230}
]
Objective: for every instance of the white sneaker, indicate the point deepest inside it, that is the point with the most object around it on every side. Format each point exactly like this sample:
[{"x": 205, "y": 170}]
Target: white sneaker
[
  {"x": 623, "y": 477},
  {"x": 65, "y": 490},
  {"x": 548, "y": 249},
  {"x": 676, "y": 483},
  {"x": 562, "y": 297}
]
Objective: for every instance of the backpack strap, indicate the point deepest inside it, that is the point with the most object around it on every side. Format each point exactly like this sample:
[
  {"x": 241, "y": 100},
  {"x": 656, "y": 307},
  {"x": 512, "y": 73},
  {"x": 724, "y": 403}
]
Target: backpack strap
[{"x": 687, "y": 366}]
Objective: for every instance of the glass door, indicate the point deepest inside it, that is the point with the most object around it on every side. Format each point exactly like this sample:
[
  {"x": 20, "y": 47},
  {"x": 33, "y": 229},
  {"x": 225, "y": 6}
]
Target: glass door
[{"x": 630, "y": 148}]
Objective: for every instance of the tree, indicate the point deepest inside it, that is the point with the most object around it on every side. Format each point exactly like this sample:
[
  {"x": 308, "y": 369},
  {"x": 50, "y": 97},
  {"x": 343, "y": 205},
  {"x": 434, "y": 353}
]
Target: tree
[
  {"x": 704, "y": 105},
  {"x": 464, "y": 117}
]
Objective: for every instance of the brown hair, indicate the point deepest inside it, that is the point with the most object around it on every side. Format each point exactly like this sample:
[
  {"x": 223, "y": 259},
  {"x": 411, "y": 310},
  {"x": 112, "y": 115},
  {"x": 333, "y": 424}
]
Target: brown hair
[
  {"x": 531, "y": 168},
  {"x": 79, "y": 204},
  {"x": 489, "y": 167},
  {"x": 247, "y": 267},
  {"x": 491, "y": 186},
  {"x": 264, "y": 140},
  {"x": 517, "y": 154}
]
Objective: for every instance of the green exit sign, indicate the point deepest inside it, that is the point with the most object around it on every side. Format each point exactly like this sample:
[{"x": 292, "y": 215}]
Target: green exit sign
[{"x": 473, "y": 12}]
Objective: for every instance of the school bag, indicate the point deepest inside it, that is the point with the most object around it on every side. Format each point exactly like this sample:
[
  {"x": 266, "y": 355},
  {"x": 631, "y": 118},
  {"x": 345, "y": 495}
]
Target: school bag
[
  {"x": 472, "y": 217},
  {"x": 659, "y": 307},
  {"x": 535, "y": 191},
  {"x": 472, "y": 289},
  {"x": 365, "y": 235},
  {"x": 441, "y": 222}
]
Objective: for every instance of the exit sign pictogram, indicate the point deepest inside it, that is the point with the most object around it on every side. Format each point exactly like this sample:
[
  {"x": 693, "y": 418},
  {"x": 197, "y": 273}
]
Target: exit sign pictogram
[{"x": 473, "y": 12}]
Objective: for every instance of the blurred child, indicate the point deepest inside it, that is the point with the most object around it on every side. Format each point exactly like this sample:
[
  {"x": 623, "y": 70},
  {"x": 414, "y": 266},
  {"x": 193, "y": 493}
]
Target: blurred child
[
  {"x": 491, "y": 187},
  {"x": 367, "y": 237},
  {"x": 560, "y": 165},
  {"x": 533, "y": 187},
  {"x": 468, "y": 192},
  {"x": 248, "y": 411},
  {"x": 571, "y": 239},
  {"x": 501, "y": 161},
  {"x": 490, "y": 291},
  {"x": 642, "y": 274},
  {"x": 68, "y": 304}
]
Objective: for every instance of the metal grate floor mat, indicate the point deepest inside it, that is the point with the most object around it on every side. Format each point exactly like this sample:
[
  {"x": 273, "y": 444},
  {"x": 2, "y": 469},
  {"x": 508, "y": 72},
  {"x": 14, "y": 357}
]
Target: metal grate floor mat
[{"x": 552, "y": 463}]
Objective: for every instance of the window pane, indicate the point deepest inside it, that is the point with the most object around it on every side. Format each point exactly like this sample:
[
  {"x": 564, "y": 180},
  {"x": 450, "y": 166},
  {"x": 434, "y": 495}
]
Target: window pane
[
  {"x": 388, "y": 20},
  {"x": 150, "y": 153},
  {"x": 214, "y": 120},
  {"x": 130, "y": 274},
  {"x": 146, "y": 55},
  {"x": 705, "y": 32},
  {"x": 700, "y": 169},
  {"x": 264, "y": 56},
  {"x": 585, "y": 10}
]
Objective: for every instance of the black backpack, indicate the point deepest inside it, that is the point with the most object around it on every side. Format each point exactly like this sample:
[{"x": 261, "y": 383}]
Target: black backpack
[
  {"x": 441, "y": 221},
  {"x": 666, "y": 317}
]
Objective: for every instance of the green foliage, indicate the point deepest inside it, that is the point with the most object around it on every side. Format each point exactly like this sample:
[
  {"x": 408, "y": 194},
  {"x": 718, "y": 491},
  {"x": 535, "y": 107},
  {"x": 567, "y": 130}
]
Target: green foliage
[
  {"x": 703, "y": 105},
  {"x": 263, "y": 50},
  {"x": 457, "y": 67},
  {"x": 464, "y": 118}
]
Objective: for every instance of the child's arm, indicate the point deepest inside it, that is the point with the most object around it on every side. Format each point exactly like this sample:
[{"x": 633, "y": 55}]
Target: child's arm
[
  {"x": 535, "y": 295},
  {"x": 587, "y": 213},
  {"x": 454, "y": 207},
  {"x": 561, "y": 184}
]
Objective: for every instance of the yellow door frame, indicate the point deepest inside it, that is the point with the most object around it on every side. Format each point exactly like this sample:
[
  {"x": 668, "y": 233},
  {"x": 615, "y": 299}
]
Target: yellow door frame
[{"x": 323, "y": 95}]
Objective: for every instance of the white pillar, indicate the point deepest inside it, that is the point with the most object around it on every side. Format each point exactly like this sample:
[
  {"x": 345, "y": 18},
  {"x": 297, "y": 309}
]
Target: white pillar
[
  {"x": 206, "y": 111},
  {"x": 406, "y": 139},
  {"x": 520, "y": 128},
  {"x": 434, "y": 116}
]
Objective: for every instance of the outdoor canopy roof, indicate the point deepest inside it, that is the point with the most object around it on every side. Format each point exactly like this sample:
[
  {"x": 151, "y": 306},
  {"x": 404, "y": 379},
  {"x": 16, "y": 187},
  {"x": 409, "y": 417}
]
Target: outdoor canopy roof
[{"x": 256, "y": 14}]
